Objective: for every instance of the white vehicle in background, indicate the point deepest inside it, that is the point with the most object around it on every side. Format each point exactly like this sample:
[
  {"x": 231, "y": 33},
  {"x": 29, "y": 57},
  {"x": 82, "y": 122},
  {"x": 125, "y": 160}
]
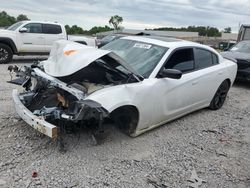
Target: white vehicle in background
[
  {"x": 34, "y": 38},
  {"x": 139, "y": 82}
]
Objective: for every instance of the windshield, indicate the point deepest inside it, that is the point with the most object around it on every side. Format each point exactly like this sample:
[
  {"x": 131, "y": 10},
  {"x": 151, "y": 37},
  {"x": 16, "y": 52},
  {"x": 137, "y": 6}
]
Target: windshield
[
  {"x": 142, "y": 57},
  {"x": 243, "y": 46},
  {"x": 108, "y": 38},
  {"x": 15, "y": 26}
]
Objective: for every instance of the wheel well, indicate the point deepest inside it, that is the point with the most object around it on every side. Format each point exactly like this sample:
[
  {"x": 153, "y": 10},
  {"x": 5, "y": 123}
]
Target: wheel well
[
  {"x": 127, "y": 109},
  {"x": 228, "y": 81},
  {"x": 9, "y": 43}
]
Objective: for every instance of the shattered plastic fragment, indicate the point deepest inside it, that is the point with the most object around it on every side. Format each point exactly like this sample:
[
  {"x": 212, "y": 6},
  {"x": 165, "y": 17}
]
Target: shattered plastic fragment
[{"x": 195, "y": 180}]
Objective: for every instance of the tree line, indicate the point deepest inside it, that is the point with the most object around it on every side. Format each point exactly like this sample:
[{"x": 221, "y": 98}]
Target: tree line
[
  {"x": 115, "y": 21},
  {"x": 74, "y": 30},
  {"x": 7, "y": 20}
]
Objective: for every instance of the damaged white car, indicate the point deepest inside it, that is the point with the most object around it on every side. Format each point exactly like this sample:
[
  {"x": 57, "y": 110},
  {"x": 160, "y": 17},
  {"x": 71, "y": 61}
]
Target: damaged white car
[{"x": 139, "y": 82}]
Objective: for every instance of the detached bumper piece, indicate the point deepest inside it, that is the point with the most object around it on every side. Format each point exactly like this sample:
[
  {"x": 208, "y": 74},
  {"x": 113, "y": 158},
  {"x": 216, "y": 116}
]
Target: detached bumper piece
[{"x": 34, "y": 121}]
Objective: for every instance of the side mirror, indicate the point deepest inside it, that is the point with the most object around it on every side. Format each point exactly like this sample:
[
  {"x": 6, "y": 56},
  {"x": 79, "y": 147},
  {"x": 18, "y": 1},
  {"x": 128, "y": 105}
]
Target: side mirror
[
  {"x": 23, "y": 30},
  {"x": 171, "y": 73}
]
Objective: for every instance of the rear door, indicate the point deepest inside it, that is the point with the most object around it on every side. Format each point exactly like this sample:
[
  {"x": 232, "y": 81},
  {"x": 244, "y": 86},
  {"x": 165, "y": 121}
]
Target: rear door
[
  {"x": 209, "y": 74},
  {"x": 33, "y": 39},
  {"x": 52, "y": 33}
]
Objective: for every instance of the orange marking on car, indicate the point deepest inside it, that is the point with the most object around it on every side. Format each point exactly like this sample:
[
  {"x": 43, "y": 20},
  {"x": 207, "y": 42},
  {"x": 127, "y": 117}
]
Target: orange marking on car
[{"x": 69, "y": 52}]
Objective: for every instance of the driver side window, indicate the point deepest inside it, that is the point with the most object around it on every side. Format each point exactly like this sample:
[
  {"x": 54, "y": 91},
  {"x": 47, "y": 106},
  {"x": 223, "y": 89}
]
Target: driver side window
[
  {"x": 34, "y": 28},
  {"x": 182, "y": 60}
]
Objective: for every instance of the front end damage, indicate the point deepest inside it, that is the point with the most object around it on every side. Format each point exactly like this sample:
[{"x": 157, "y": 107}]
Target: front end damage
[
  {"x": 48, "y": 104},
  {"x": 57, "y": 91}
]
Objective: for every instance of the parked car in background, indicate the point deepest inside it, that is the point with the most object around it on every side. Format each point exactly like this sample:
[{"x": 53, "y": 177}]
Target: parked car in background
[
  {"x": 34, "y": 38},
  {"x": 241, "y": 54},
  {"x": 223, "y": 46},
  {"x": 139, "y": 82},
  {"x": 107, "y": 39}
]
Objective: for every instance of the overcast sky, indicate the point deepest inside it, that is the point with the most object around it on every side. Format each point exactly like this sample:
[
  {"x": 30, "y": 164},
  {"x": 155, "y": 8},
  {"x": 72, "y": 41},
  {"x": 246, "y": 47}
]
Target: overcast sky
[{"x": 137, "y": 14}]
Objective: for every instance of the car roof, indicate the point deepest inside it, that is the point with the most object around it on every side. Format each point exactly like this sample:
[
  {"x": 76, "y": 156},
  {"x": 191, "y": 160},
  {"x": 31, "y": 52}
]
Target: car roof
[
  {"x": 165, "y": 41},
  {"x": 43, "y": 22}
]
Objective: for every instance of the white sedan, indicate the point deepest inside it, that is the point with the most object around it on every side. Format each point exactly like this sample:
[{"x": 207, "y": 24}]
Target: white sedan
[{"x": 139, "y": 82}]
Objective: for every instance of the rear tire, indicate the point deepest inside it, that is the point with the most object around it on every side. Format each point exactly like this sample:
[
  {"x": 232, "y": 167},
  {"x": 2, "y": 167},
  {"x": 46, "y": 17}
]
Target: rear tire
[
  {"x": 220, "y": 96},
  {"x": 126, "y": 118},
  {"x": 6, "y": 54}
]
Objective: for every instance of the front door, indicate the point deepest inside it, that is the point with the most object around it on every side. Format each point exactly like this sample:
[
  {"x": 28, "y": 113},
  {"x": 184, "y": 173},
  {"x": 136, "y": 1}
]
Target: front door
[
  {"x": 32, "y": 40},
  {"x": 177, "y": 97}
]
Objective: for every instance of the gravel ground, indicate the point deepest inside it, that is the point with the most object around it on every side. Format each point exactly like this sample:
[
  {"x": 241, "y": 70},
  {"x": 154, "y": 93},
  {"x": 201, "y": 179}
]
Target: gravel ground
[{"x": 216, "y": 144}]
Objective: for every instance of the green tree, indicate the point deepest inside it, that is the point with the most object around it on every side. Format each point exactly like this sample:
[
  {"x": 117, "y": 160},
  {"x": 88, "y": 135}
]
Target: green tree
[
  {"x": 115, "y": 21},
  {"x": 98, "y": 29},
  {"x": 21, "y": 17},
  {"x": 75, "y": 30},
  {"x": 202, "y": 30},
  {"x": 67, "y": 27},
  {"x": 228, "y": 30},
  {"x": 6, "y": 20},
  {"x": 213, "y": 32}
]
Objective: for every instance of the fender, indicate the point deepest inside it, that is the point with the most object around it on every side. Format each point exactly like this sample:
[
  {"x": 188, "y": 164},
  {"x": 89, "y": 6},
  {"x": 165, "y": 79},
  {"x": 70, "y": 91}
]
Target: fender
[{"x": 9, "y": 42}]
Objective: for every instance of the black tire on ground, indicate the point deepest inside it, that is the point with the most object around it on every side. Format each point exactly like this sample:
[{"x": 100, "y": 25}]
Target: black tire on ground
[
  {"x": 220, "y": 96},
  {"x": 6, "y": 54},
  {"x": 126, "y": 118}
]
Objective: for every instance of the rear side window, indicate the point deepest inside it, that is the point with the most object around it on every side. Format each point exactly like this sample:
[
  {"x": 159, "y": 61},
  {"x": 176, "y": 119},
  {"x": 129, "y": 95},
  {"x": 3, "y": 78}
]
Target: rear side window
[
  {"x": 182, "y": 60},
  {"x": 215, "y": 59},
  {"x": 34, "y": 28},
  {"x": 52, "y": 29},
  {"x": 203, "y": 58},
  {"x": 247, "y": 34}
]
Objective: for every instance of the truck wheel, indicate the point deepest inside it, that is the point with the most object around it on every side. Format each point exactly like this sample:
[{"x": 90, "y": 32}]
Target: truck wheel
[{"x": 6, "y": 54}]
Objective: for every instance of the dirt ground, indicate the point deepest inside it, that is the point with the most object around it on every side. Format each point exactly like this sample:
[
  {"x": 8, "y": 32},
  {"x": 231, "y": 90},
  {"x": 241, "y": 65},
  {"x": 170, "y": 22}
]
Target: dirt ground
[{"x": 216, "y": 144}]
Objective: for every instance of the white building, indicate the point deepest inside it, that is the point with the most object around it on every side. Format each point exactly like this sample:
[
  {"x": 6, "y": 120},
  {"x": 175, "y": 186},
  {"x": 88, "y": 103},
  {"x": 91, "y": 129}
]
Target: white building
[
  {"x": 175, "y": 34},
  {"x": 229, "y": 36}
]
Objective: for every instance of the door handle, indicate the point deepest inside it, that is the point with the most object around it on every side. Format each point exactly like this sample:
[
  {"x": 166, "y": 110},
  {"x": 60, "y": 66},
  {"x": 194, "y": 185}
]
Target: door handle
[
  {"x": 194, "y": 83},
  {"x": 41, "y": 37}
]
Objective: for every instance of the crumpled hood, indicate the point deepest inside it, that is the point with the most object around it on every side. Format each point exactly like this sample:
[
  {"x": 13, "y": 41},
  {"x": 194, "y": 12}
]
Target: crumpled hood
[
  {"x": 236, "y": 55},
  {"x": 68, "y": 57}
]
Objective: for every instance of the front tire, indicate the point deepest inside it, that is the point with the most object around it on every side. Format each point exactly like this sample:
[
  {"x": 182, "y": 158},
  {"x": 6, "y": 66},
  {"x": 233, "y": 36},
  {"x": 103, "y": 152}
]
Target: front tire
[
  {"x": 220, "y": 96},
  {"x": 6, "y": 54}
]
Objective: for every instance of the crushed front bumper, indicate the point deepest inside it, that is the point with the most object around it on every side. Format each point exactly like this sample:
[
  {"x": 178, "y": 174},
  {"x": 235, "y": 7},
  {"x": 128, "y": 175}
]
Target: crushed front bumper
[{"x": 34, "y": 121}]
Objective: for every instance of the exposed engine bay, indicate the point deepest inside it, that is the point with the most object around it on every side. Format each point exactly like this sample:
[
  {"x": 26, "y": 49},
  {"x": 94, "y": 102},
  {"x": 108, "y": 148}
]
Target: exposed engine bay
[
  {"x": 61, "y": 101},
  {"x": 57, "y": 94}
]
